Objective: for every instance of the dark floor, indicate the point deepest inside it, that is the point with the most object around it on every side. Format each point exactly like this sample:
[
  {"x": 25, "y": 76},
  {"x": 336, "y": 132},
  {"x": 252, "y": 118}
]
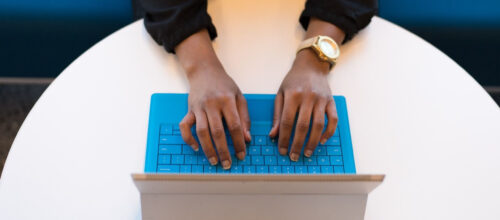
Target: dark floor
[{"x": 16, "y": 100}]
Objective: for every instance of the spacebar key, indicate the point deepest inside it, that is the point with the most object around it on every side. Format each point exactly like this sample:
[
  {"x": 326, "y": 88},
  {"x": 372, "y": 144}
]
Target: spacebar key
[
  {"x": 170, "y": 139},
  {"x": 168, "y": 168}
]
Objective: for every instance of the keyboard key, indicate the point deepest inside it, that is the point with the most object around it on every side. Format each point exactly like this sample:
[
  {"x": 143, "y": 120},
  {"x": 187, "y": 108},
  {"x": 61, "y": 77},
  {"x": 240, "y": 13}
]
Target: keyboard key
[
  {"x": 261, "y": 169},
  {"x": 270, "y": 160},
  {"x": 164, "y": 159},
  {"x": 260, "y": 128},
  {"x": 268, "y": 150},
  {"x": 222, "y": 170},
  {"x": 326, "y": 169},
  {"x": 336, "y": 160},
  {"x": 177, "y": 159},
  {"x": 168, "y": 168},
  {"x": 190, "y": 159},
  {"x": 197, "y": 169},
  {"x": 331, "y": 150},
  {"x": 175, "y": 127},
  {"x": 257, "y": 160},
  {"x": 260, "y": 140},
  {"x": 300, "y": 161},
  {"x": 272, "y": 141},
  {"x": 338, "y": 169},
  {"x": 310, "y": 160},
  {"x": 209, "y": 169},
  {"x": 186, "y": 169},
  {"x": 287, "y": 169},
  {"x": 176, "y": 132},
  {"x": 166, "y": 129},
  {"x": 314, "y": 169},
  {"x": 333, "y": 141},
  {"x": 171, "y": 139},
  {"x": 283, "y": 160},
  {"x": 202, "y": 160},
  {"x": 254, "y": 150},
  {"x": 245, "y": 161},
  {"x": 275, "y": 169},
  {"x": 323, "y": 160},
  {"x": 300, "y": 169},
  {"x": 320, "y": 151},
  {"x": 249, "y": 169},
  {"x": 236, "y": 169},
  {"x": 186, "y": 149},
  {"x": 170, "y": 149},
  {"x": 234, "y": 160}
]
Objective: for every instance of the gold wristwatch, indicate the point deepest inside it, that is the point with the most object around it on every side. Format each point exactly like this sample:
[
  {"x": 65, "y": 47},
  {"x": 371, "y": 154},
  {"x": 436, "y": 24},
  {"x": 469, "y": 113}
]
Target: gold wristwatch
[{"x": 325, "y": 47}]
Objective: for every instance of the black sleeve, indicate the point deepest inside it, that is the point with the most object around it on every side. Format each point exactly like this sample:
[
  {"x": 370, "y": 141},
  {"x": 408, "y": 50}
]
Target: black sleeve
[
  {"x": 171, "y": 21},
  {"x": 349, "y": 15}
]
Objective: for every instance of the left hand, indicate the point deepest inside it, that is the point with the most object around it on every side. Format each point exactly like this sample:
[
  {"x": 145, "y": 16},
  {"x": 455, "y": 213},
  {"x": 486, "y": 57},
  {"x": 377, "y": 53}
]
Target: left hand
[{"x": 304, "y": 91}]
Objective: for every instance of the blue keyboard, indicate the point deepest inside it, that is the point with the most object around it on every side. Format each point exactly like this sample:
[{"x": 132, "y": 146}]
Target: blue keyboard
[{"x": 167, "y": 152}]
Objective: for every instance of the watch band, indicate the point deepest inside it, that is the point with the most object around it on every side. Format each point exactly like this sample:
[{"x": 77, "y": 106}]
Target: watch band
[{"x": 307, "y": 43}]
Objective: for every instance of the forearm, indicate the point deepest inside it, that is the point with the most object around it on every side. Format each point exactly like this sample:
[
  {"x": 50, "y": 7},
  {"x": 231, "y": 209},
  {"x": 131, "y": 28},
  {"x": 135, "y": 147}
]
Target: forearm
[{"x": 196, "y": 53}]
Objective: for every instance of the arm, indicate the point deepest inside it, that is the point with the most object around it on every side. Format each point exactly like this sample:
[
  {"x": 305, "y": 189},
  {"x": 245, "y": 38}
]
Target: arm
[
  {"x": 348, "y": 15},
  {"x": 305, "y": 92},
  {"x": 171, "y": 21},
  {"x": 213, "y": 95},
  {"x": 184, "y": 27}
]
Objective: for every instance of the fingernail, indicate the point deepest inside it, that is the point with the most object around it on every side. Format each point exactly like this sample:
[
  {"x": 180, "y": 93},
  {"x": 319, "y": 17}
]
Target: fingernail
[
  {"x": 213, "y": 161},
  {"x": 249, "y": 136},
  {"x": 241, "y": 155},
  {"x": 323, "y": 141},
  {"x": 195, "y": 148},
  {"x": 308, "y": 153},
  {"x": 282, "y": 151},
  {"x": 226, "y": 164},
  {"x": 294, "y": 156}
]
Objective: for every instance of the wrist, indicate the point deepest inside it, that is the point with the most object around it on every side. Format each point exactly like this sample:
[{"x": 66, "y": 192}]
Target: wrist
[
  {"x": 205, "y": 69},
  {"x": 308, "y": 59},
  {"x": 196, "y": 54}
]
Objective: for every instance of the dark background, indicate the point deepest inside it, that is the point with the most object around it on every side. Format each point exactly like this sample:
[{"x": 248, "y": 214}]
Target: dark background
[{"x": 40, "y": 38}]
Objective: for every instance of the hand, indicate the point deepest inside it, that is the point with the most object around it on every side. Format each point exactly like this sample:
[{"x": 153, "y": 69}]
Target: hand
[
  {"x": 213, "y": 96},
  {"x": 304, "y": 91}
]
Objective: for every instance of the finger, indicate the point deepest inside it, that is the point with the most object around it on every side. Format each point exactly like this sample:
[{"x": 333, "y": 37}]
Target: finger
[
  {"x": 278, "y": 108},
  {"x": 244, "y": 117},
  {"x": 219, "y": 136},
  {"x": 185, "y": 127},
  {"x": 331, "y": 114},
  {"x": 235, "y": 128},
  {"x": 203, "y": 132},
  {"x": 317, "y": 125},
  {"x": 286, "y": 123},
  {"x": 301, "y": 128}
]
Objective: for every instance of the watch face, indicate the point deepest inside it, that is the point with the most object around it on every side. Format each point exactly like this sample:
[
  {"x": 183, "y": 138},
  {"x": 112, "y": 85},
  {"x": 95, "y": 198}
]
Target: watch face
[{"x": 328, "y": 48}]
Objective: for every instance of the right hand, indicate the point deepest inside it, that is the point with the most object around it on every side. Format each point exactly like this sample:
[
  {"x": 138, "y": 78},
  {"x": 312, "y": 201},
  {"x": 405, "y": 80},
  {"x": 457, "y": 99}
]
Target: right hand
[{"x": 213, "y": 96}]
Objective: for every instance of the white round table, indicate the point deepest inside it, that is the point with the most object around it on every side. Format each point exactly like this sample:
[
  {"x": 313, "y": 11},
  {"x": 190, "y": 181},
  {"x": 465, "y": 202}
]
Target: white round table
[{"x": 415, "y": 116}]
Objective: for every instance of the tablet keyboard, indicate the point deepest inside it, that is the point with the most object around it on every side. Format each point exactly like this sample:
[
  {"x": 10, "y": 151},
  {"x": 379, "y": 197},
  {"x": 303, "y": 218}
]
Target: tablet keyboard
[{"x": 262, "y": 157}]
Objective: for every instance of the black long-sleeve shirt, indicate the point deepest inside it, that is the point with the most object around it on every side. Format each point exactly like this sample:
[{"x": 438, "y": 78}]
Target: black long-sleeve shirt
[{"x": 171, "y": 21}]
